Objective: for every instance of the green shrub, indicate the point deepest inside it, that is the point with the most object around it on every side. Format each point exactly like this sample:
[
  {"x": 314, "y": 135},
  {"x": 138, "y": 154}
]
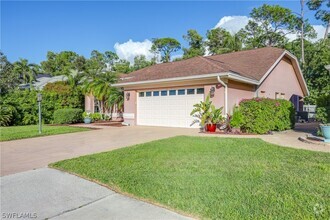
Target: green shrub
[
  {"x": 68, "y": 116},
  {"x": 237, "y": 118},
  {"x": 7, "y": 113},
  {"x": 323, "y": 109},
  {"x": 96, "y": 116},
  {"x": 261, "y": 115}
]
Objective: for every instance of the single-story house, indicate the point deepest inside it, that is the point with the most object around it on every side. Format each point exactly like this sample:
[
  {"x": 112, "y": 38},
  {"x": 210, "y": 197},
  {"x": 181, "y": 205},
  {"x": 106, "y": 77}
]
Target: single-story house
[
  {"x": 42, "y": 80},
  {"x": 164, "y": 94}
]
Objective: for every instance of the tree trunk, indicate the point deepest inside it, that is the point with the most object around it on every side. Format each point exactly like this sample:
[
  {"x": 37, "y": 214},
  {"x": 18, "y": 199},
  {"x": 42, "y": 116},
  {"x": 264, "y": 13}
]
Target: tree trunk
[
  {"x": 302, "y": 33},
  {"x": 327, "y": 31}
]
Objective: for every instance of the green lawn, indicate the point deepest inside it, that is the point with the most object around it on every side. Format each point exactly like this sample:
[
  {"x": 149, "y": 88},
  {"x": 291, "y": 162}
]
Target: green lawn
[
  {"x": 216, "y": 178},
  {"x": 20, "y": 132}
]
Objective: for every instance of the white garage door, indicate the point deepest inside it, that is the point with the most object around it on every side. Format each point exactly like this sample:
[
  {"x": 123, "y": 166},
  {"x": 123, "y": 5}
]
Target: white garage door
[{"x": 169, "y": 107}]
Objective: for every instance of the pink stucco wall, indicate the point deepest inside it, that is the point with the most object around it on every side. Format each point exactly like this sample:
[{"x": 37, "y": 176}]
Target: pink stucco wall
[
  {"x": 130, "y": 107},
  {"x": 238, "y": 91},
  {"x": 218, "y": 99},
  {"x": 282, "y": 79}
]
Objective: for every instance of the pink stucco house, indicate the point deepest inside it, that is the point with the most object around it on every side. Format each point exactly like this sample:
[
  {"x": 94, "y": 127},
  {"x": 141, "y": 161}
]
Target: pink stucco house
[{"x": 164, "y": 94}]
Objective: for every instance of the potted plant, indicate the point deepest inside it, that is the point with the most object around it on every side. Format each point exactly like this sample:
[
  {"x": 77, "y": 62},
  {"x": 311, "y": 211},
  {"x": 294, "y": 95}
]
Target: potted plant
[
  {"x": 207, "y": 115},
  {"x": 323, "y": 115},
  {"x": 215, "y": 118},
  {"x": 87, "y": 117}
]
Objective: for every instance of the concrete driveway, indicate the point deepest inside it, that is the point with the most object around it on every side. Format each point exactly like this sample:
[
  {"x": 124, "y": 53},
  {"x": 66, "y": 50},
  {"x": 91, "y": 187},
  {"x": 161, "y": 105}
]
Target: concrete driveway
[
  {"x": 28, "y": 154},
  {"x": 51, "y": 194}
]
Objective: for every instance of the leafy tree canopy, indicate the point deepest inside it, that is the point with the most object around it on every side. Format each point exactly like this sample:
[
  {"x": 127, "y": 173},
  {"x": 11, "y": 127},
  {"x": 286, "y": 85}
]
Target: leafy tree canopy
[
  {"x": 8, "y": 78},
  {"x": 61, "y": 63},
  {"x": 141, "y": 62},
  {"x": 221, "y": 41},
  {"x": 164, "y": 47},
  {"x": 196, "y": 44},
  {"x": 270, "y": 26}
]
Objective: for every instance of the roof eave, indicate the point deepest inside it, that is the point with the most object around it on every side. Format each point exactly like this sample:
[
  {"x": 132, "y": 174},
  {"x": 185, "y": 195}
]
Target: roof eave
[{"x": 229, "y": 75}]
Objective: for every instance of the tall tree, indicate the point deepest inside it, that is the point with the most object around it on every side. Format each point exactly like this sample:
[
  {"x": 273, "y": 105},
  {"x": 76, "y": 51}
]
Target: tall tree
[
  {"x": 122, "y": 66},
  {"x": 321, "y": 13},
  {"x": 8, "y": 78},
  {"x": 60, "y": 63},
  {"x": 317, "y": 56},
  {"x": 141, "y": 61},
  {"x": 196, "y": 44},
  {"x": 270, "y": 26},
  {"x": 27, "y": 71},
  {"x": 164, "y": 47},
  {"x": 220, "y": 41}
]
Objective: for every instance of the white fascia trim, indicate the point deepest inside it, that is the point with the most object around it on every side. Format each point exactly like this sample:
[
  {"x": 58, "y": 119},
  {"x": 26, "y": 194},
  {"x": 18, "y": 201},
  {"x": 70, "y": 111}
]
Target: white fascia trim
[
  {"x": 171, "y": 79},
  {"x": 230, "y": 75},
  {"x": 277, "y": 61},
  {"x": 237, "y": 77}
]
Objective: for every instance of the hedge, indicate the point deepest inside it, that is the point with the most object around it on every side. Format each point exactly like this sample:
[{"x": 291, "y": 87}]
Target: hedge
[
  {"x": 261, "y": 115},
  {"x": 54, "y": 96},
  {"x": 68, "y": 116}
]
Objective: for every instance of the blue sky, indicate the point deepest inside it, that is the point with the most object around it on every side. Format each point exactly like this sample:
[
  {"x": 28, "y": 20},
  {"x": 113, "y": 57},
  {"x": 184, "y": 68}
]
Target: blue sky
[{"x": 30, "y": 29}]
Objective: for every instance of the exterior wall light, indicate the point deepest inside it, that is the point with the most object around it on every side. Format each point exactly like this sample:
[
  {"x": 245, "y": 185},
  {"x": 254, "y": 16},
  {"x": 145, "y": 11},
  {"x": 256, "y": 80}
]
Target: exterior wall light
[
  {"x": 212, "y": 91},
  {"x": 128, "y": 95}
]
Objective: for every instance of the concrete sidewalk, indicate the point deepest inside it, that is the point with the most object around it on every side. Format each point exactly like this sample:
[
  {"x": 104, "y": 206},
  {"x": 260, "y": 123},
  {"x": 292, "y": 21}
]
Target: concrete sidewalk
[{"x": 47, "y": 193}]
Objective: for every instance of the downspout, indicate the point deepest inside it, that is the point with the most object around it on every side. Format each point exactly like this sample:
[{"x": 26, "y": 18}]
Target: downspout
[{"x": 226, "y": 94}]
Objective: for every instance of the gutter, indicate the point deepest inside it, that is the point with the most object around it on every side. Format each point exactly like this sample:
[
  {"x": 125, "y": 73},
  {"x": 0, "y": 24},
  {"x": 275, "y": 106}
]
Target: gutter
[{"x": 226, "y": 93}]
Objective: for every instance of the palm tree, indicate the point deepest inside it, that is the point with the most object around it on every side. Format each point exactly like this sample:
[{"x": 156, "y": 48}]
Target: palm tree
[
  {"x": 101, "y": 87},
  {"x": 26, "y": 70},
  {"x": 116, "y": 99}
]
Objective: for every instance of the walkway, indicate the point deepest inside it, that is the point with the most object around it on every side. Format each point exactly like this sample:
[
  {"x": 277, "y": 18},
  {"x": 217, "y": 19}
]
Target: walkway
[{"x": 51, "y": 194}]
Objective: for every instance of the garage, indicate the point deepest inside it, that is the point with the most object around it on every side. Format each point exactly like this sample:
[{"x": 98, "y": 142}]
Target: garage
[{"x": 168, "y": 107}]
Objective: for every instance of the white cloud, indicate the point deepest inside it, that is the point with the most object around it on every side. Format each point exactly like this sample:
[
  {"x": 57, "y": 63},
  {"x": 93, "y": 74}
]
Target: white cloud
[
  {"x": 173, "y": 57},
  {"x": 320, "y": 30},
  {"x": 232, "y": 23},
  {"x": 128, "y": 50}
]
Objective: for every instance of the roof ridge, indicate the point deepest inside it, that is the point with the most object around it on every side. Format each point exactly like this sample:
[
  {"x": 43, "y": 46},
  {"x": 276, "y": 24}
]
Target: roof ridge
[
  {"x": 248, "y": 50},
  {"x": 213, "y": 64}
]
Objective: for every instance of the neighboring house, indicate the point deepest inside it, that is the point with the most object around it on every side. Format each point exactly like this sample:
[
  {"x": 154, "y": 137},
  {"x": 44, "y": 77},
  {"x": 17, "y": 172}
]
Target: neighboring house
[
  {"x": 42, "y": 80},
  {"x": 164, "y": 94}
]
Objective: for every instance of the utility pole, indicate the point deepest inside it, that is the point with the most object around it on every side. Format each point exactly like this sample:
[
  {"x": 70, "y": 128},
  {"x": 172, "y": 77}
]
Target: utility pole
[{"x": 302, "y": 32}]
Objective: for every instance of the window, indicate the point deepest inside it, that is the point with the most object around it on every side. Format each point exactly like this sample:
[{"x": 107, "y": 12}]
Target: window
[
  {"x": 190, "y": 91},
  {"x": 172, "y": 92},
  {"x": 141, "y": 94},
  {"x": 156, "y": 93},
  {"x": 282, "y": 95},
  {"x": 163, "y": 93},
  {"x": 200, "y": 91},
  {"x": 148, "y": 94},
  {"x": 181, "y": 92}
]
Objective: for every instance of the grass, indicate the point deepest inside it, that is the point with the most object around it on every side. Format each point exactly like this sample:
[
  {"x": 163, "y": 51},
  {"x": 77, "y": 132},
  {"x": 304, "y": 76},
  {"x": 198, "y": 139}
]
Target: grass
[
  {"x": 216, "y": 178},
  {"x": 20, "y": 132}
]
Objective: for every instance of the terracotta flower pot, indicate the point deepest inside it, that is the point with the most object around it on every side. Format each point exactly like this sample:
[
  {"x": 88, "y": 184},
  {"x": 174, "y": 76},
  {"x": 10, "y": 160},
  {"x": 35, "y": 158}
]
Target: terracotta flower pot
[{"x": 211, "y": 127}]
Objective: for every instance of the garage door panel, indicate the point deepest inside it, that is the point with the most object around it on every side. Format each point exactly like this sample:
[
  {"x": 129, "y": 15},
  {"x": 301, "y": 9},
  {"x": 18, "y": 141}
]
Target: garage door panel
[{"x": 171, "y": 111}]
